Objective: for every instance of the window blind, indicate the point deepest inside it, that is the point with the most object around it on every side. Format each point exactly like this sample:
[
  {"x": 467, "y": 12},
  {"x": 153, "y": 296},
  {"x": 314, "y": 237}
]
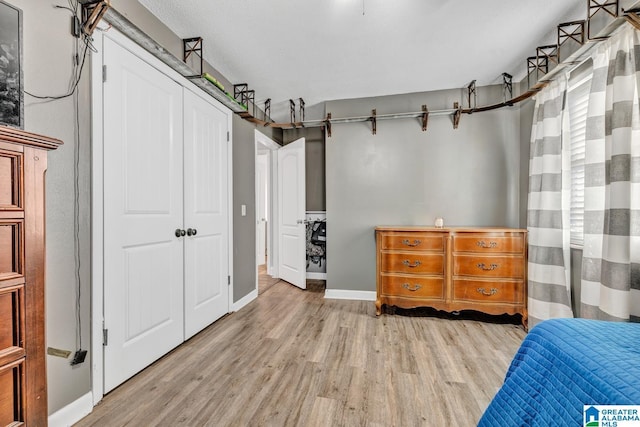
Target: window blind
[{"x": 578, "y": 100}]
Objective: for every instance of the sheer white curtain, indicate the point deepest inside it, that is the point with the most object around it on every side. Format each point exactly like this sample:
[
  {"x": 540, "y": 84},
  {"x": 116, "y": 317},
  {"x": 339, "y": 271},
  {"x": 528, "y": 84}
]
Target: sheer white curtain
[
  {"x": 548, "y": 220},
  {"x": 611, "y": 257}
]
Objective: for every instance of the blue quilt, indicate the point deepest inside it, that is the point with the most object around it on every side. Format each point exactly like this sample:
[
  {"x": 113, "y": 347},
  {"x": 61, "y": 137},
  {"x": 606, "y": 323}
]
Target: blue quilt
[{"x": 564, "y": 364}]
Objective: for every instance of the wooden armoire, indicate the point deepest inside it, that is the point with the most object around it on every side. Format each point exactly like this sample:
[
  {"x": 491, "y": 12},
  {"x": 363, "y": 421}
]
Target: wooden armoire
[{"x": 23, "y": 377}]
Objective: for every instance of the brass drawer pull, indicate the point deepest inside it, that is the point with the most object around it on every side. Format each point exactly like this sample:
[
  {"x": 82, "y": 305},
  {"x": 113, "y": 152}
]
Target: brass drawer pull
[
  {"x": 409, "y": 288},
  {"x": 483, "y": 244},
  {"x": 493, "y": 291},
  {"x": 483, "y": 267},
  {"x": 408, "y": 263},
  {"x": 415, "y": 243}
]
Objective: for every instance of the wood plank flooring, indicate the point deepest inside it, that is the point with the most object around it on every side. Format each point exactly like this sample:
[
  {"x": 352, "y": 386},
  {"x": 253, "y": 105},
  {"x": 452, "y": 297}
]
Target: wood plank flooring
[
  {"x": 265, "y": 282},
  {"x": 293, "y": 358}
]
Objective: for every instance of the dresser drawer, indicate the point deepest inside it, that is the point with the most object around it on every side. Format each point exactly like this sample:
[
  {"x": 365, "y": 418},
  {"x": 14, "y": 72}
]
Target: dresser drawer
[
  {"x": 483, "y": 243},
  {"x": 412, "y": 286},
  {"x": 413, "y": 263},
  {"x": 488, "y": 266},
  {"x": 413, "y": 241},
  {"x": 11, "y": 324},
  {"x": 12, "y": 392},
  {"x": 11, "y": 249},
  {"x": 501, "y": 291}
]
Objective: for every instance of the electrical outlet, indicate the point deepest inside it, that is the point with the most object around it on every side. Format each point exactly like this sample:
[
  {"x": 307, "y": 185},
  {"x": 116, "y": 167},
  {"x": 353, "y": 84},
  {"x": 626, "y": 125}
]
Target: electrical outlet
[{"x": 79, "y": 357}]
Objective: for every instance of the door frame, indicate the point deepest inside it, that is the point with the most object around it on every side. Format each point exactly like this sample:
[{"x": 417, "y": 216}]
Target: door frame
[
  {"x": 263, "y": 140},
  {"x": 97, "y": 193},
  {"x": 262, "y": 205}
]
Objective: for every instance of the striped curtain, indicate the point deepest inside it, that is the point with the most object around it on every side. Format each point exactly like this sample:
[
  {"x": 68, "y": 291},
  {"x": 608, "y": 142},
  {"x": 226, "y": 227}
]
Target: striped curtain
[
  {"x": 548, "y": 207},
  {"x": 611, "y": 256}
]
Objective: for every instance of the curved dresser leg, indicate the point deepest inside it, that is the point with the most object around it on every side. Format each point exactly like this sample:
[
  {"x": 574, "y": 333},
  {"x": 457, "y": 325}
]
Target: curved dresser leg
[{"x": 378, "y": 307}]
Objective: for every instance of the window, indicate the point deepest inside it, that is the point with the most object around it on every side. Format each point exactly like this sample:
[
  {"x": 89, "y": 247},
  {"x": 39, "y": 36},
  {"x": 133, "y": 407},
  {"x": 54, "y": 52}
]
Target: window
[{"x": 578, "y": 99}]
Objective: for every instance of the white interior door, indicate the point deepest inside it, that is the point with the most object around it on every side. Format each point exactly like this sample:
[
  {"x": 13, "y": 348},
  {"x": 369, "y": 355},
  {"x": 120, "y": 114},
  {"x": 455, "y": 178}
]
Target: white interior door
[
  {"x": 206, "y": 262},
  {"x": 261, "y": 206},
  {"x": 143, "y": 259},
  {"x": 291, "y": 213}
]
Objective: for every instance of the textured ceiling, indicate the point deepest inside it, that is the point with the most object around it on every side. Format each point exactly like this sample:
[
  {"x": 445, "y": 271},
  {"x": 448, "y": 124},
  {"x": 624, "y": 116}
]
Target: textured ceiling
[{"x": 336, "y": 49}]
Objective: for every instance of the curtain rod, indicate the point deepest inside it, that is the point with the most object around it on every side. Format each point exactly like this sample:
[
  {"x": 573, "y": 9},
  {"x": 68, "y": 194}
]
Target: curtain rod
[{"x": 121, "y": 23}]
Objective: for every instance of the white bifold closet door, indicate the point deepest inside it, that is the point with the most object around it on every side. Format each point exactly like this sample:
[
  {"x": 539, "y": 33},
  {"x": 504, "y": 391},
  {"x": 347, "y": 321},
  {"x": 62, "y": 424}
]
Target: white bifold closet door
[
  {"x": 165, "y": 170},
  {"x": 206, "y": 296}
]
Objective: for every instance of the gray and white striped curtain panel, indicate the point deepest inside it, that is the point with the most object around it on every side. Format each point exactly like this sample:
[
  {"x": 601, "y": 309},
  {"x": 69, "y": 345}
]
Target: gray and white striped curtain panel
[
  {"x": 548, "y": 207},
  {"x": 611, "y": 257}
]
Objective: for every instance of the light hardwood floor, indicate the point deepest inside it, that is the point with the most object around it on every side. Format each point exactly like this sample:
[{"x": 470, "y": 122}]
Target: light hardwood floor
[
  {"x": 293, "y": 358},
  {"x": 265, "y": 282}
]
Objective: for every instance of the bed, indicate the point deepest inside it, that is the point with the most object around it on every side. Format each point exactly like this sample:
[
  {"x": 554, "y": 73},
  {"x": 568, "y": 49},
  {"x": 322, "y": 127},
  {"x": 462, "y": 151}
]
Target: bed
[{"x": 564, "y": 364}]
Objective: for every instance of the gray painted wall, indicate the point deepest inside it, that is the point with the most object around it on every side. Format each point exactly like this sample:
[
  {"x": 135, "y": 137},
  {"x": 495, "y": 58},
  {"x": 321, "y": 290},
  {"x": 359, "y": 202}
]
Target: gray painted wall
[
  {"x": 403, "y": 176},
  {"x": 244, "y": 193}
]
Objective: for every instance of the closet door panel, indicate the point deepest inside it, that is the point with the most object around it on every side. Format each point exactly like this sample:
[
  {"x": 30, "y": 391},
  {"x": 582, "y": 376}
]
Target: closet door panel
[
  {"x": 203, "y": 286},
  {"x": 143, "y": 258},
  {"x": 206, "y": 213}
]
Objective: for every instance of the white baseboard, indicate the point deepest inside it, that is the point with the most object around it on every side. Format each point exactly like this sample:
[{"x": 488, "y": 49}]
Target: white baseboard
[
  {"x": 245, "y": 300},
  {"x": 353, "y": 295},
  {"x": 317, "y": 276},
  {"x": 73, "y": 412}
]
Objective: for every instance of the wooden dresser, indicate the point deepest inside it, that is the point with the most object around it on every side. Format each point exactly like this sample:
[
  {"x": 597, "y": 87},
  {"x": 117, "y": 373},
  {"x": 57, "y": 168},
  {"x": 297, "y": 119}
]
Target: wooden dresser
[
  {"x": 23, "y": 378},
  {"x": 452, "y": 269}
]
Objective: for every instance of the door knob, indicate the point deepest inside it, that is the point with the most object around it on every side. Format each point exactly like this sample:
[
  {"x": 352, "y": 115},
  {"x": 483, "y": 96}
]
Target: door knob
[
  {"x": 180, "y": 232},
  {"x": 191, "y": 231}
]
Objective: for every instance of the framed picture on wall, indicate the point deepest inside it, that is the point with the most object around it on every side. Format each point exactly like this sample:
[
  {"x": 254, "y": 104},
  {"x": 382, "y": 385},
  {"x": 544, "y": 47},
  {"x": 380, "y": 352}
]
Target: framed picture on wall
[{"x": 11, "y": 84}]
